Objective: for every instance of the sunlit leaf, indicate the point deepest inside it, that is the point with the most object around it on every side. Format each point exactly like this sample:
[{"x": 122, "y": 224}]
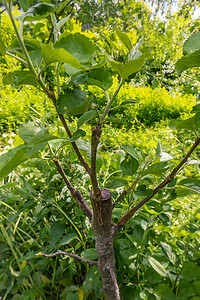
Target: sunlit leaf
[
  {"x": 129, "y": 68},
  {"x": 78, "y": 45},
  {"x": 133, "y": 152},
  {"x": 188, "y": 61},
  {"x": 167, "y": 249},
  {"x": 192, "y": 44},
  {"x": 124, "y": 39},
  {"x": 50, "y": 55},
  {"x": 157, "y": 267},
  {"x": 191, "y": 184}
]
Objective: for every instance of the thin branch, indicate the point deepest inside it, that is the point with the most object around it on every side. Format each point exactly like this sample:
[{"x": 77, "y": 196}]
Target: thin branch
[
  {"x": 125, "y": 191},
  {"x": 167, "y": 180},
  {"x": 18, "y": 58},
  {"x": 75, "y": 193},
  {"x": 52, "y": 96},
  {"x": 63, "y": 10},
  {"x": 87, "y": 261},
  {"x": 96, "y": 133},
  {"x": 109, "y": 103}
]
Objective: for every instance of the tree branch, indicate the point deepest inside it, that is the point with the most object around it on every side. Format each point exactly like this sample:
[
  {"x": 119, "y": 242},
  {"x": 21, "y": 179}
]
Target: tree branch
[
  {"x": 75, "y": 193},
  {"x": 52, "y": 96},
  {"x": 87, "y": 261},
  {"x": 167, "y": 180},
  {"x": 96, "y": 133},
  {"x": 125, "y": 191}
]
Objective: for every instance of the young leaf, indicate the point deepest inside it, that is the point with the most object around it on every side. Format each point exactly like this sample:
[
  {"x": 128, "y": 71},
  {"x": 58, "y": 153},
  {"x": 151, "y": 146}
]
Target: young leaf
[
  {"x": 167, "y": 249},
  {"x": 157, "y": 267},
  {"x": 50, "y": 55},
  {"x": 158, "y": 149},
  {"x": 192, "y": 44},
  {"x": 86, "y": 117},
  {"x": 187, "y": 62},
  {"x": 37, "y": 12},
  {"x": 124, "y": 39},
  {"x": 79, "y": 46},
  {"x": 134, "y": 153},
  {"x": 100, "y": 78},
  {"x": 129, "y": 68},
  {"x": 130, "y": 166},
  {"x": 73, "y": 102}
]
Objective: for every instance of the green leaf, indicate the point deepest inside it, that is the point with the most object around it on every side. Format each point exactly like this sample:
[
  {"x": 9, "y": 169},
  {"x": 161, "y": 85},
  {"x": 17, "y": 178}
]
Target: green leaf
[
  {"x": 190, "y": 271},
  {"x": 155, "y": 169},
  {"x": 73, "y": 102},
  {"x": 192, "y": 44},
  {"x": 183, "y": 124},
  {"x": 87, "y": 116},
  {"x": 31, "y": 45},
  {"x": 2, "y": 47},
  {"x": 191, "y": 184},
  {"x": 124, "y": 39},
  {"x": 68, "y": 238},
  {"x": 100, "y": 78},
  {"x": 167, "y": 249},
  {"x": 157, "y": 267},
  {"x": 158, "y": 149},
  {"x": 20, "y": 78},
  {"x": 134, "y": 153},
  {"x": 36, "y": 57},
  {"x": 130, "y": 166},
  {"x": 72, "y": 70},
  {"x": 56, "y": 231},
  {"x": 50, "y": 55},
  {"x": 79, "y": 79},
  {"x": 37, "y": 12},
  {"x": 61, "y": 23},
  {"x": 197, "y": 123},
  {"x": 24, "y": 4},
  {"x": 187, "y": 62},
  {"x": 77, "y": 134},
  {"x": 164, "y": 292},
  {"x": 116, "y": 182},
  {"x": 12, "y": 159},
  {"x": 90, "y": 253},
  {"x": 78, "y": 45},
  {"x": 129, "y": 68}
]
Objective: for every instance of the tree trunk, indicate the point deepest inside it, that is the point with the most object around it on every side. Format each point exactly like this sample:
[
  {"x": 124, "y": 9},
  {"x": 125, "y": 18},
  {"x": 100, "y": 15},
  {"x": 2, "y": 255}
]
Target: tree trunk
[{"x": 104, "y": 232}]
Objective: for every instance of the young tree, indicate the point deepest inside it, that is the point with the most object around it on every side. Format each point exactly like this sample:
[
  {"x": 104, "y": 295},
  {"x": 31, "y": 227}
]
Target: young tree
[{"x": 86, "y": 65}]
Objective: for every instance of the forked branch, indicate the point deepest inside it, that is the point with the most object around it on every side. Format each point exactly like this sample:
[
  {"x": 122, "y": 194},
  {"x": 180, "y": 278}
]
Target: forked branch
[
  {"x": 75, "y": 193},
  {"x": 167, "y": 180},
  {"x": 87, "y": 261}
]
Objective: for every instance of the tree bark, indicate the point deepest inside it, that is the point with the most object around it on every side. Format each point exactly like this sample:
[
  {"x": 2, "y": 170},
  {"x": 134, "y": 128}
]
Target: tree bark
[{"x": 105, "y": 233}]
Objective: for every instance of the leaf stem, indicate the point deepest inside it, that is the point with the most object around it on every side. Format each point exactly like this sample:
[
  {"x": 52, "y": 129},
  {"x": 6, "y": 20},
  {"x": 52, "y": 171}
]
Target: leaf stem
[{"x": 110, "y": 101}]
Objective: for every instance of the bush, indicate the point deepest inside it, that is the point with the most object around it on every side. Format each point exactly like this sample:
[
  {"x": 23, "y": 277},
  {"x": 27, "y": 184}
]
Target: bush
[{"x": 150, "y": 106}]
